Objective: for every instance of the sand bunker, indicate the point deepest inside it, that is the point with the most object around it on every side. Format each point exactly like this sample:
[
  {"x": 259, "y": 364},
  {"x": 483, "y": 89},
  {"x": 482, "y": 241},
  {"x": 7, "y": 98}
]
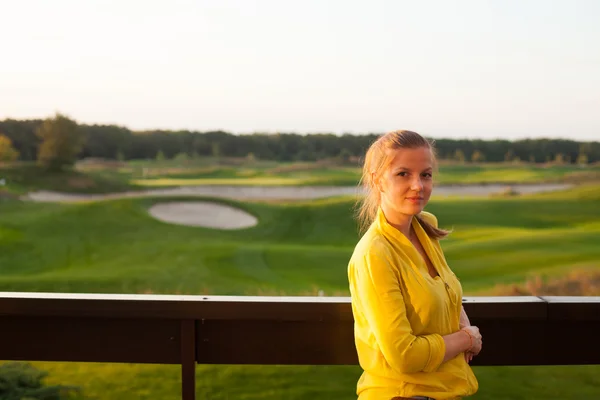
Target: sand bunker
[{"x": 205, "y": 214}]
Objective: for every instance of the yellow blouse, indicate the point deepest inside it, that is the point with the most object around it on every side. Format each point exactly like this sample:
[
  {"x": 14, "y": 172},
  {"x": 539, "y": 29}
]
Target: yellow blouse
[{"x": 401, "y": 314}]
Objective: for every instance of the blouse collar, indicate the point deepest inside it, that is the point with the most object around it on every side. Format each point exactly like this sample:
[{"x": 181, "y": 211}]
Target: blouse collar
[{"x": 394, "y": 234}]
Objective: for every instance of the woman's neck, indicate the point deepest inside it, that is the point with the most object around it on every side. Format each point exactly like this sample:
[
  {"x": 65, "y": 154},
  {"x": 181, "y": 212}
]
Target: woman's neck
[{"x": 400, "y": 221}]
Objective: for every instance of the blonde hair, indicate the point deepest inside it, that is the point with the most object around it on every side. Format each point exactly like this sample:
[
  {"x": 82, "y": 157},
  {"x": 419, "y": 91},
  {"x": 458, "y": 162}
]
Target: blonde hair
[{"x": 377, "y": 161}]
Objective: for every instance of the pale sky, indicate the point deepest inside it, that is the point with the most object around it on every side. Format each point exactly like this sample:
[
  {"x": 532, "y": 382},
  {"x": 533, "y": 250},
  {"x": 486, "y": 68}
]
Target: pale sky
[{"x": 462, "y": 69}]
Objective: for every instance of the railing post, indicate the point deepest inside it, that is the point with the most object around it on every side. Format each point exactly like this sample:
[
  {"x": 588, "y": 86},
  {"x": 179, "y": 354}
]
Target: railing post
[{"x": 188, "y": 359}]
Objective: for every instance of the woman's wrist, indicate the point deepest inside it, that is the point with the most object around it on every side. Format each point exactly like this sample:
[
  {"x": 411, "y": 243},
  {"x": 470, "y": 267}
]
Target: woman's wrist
[{"x": 470, "y": 343}]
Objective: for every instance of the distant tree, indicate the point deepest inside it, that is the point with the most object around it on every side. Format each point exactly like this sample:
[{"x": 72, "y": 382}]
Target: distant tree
[
  {"x": 509, "y": 155},
  {"x": 108, "y": 142},
  {"x": 477, "y": 156},
  {"x": 181, "y": 157},
  {"x": 582, "y": 159},
  {"x": 586, "y": 152},
  {"x": 559, "y": 158},
  {"x": 344, "y": 156},
  {"x": 201, "y": 146},
  {"x": 62, "y": 140},
  {"x": 118, "y": 142},
  {"x": 7, "y": 151},
  {"x": 459, "y": 155},
  {"x": 22, "y": 135},
  {"x": 160, "y": 156},
  {"x": 215, "y": 149},
  {"x": 307, "y": 155}
]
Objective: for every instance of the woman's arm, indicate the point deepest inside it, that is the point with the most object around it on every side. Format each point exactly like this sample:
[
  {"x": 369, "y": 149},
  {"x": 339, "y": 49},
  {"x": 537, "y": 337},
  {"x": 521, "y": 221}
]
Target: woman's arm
[
  {"x": 464, "y": 319},
  {"x": 375, "y": 291},
  {"x": 464, "y": 322},
  {"x": 467, "y": 340}
]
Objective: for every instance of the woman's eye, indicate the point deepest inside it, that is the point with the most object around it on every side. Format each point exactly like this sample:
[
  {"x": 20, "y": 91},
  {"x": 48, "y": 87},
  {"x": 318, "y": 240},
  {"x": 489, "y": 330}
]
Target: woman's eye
[
  {"x": 427, "y": 175},
  {"x": 402, "y": 173}
]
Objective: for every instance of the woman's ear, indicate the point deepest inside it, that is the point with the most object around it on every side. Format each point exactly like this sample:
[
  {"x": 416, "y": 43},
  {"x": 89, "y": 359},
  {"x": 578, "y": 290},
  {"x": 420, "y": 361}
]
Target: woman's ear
[{"x": 377, "y": 182}]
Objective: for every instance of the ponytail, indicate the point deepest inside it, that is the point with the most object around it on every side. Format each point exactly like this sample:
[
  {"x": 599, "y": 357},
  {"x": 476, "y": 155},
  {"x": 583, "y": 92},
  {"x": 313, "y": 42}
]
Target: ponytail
[{"x": 432, "y": 231}]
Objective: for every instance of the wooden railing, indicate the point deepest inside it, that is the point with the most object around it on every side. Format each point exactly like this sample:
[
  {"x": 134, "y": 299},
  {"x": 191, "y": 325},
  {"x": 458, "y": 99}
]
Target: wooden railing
[{"x": 190, "y": 330}]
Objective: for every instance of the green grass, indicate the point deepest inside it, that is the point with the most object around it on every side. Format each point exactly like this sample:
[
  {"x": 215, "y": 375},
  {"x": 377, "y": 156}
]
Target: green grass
[
  {"x": 210, "y": 172},
  {"x": 339, "y": 176},
  {"x": 114, "y": 246},
  {"x": 119, "y": 177},
  {"x": 25, "y": 177},
  {"x": 149, "y": 382},
  {"x": 298, "y": 248},
  {"x": 301, "y": 174},
  {"x": 515, "y": 173}
]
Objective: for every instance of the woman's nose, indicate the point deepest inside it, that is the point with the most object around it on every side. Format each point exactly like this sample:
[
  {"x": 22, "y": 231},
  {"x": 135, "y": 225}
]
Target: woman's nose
[{"x": 417, "y": 185}]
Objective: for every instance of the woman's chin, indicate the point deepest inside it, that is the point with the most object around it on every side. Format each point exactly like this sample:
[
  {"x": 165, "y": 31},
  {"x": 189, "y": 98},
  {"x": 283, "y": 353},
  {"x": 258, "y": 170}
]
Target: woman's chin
[{"x": 413, "y": 209}]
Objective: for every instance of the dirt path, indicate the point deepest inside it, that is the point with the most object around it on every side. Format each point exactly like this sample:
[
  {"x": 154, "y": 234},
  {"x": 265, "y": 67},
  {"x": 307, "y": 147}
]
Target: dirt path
[
  {"x": 219, "y": 216},
  {"x": 281, "y": 192}
]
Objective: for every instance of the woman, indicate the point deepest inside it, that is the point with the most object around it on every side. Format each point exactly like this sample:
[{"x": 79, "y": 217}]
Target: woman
[{"x": 412, "y": 335}]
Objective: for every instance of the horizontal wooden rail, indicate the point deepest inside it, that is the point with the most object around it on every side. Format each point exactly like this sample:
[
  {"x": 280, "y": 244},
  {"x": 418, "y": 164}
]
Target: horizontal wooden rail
[{"x": 190, "y": 330}]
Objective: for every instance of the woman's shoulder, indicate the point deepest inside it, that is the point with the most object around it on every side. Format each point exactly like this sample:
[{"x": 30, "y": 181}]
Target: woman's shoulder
[
  {"x": 373, "y": 242},
  {"x": 429, "y": 218}
]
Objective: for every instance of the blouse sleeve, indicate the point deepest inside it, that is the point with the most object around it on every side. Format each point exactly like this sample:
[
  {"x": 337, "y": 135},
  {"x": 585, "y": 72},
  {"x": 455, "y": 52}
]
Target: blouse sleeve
[{"x": 376, "y": 290}]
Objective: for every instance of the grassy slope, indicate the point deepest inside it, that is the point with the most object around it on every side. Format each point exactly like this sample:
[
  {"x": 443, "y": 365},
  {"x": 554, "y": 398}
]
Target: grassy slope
[
  {"x": 115, "y": 247},
  {"x": 128, "y": 176},
  {"x": 514, "y": 173},
  {"x": 167, "y": 174},
  {"x": 27, "y": 177}
]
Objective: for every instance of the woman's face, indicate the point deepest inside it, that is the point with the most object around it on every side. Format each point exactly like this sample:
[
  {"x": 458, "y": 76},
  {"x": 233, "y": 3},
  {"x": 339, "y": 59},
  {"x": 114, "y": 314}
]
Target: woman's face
[{"x": 406, "y": 185}]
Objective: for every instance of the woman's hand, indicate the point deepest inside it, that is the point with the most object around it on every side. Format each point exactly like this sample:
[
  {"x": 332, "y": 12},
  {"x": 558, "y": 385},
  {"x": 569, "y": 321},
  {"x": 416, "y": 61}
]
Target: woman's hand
[
  {"x": 468, "y": 356},
  {"x": 477, "y": 340},
  {"x": 463, "y": 323},
  {"x": 456, "y": 342}
]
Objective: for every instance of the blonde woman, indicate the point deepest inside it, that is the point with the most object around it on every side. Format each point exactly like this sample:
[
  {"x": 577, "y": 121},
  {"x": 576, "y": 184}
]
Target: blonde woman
[{"x": 412, "y": 335}]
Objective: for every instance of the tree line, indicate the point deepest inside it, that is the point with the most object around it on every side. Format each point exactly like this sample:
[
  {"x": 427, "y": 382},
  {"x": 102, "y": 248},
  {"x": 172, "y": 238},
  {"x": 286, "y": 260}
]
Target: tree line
[{"x": 39, "y": 139}]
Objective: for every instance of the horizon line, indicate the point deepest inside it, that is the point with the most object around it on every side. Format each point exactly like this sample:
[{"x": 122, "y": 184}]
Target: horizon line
[{"x": 269, "y": 132}]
